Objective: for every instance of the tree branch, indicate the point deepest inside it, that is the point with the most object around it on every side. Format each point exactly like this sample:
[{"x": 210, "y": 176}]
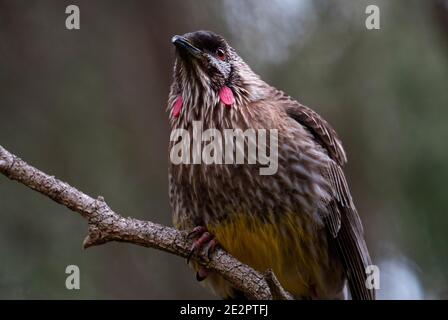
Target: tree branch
[{"x": 106, "y": 225}]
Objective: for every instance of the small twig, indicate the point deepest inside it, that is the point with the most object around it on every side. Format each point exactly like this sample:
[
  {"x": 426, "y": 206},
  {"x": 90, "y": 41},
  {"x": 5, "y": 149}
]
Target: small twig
[
  {"x": 277, "y": 291},
  {"x": 106, "y": 225}
]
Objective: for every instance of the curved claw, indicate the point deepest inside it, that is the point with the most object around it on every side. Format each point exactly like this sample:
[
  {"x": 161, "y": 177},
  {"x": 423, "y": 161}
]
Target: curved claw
[
  {"x": 190, "y": 255},
  {"x": 197, "y": 231},
  {"x": 202, "y": 274},
  {"x": 211, "y": 247}
]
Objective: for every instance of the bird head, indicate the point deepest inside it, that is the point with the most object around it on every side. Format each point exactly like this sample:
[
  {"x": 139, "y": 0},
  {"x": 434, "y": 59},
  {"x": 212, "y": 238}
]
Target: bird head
[
  {"x": 205, "y": 57},
  {"x": 209, "y": 71}
]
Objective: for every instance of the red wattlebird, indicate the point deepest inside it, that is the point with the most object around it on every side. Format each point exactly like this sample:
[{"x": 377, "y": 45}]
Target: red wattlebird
[{"x": 301, "y": 220}]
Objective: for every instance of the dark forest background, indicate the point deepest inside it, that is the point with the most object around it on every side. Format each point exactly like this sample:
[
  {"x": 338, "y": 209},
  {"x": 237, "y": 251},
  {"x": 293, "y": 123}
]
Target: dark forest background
[{"x": 89, "y": 107}]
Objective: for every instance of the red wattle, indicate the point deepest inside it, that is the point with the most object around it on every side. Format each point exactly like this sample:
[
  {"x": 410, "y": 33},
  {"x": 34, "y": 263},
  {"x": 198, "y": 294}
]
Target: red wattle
[
  {"x": 226, "y": 96},
  {"x": 177, "y": 108}
]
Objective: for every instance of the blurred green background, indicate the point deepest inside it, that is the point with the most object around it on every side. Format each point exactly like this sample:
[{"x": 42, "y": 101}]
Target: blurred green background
[{"x": 89, "y": 107}]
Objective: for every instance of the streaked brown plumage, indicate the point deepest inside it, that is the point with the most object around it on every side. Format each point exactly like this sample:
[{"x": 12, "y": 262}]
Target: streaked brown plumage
[{"x": 300, "y": 221}]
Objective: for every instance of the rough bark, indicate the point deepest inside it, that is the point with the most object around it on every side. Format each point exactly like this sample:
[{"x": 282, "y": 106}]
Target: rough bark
[{"x": 106, "y": 225}]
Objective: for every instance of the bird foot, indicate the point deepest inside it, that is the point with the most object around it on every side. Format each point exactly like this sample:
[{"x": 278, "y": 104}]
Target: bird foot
[{"x": 204, "y": 240}]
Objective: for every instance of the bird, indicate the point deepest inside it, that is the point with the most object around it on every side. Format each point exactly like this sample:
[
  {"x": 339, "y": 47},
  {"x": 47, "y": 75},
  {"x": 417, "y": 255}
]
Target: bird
[{"x": 301, "y": 221}]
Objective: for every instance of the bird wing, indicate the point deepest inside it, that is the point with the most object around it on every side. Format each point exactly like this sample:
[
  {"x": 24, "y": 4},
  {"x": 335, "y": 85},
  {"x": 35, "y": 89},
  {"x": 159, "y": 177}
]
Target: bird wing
[
  {"x": 321, "y": 130},
  {"x": 344, "y": 224},
  {"x": 342, "y": 219}
]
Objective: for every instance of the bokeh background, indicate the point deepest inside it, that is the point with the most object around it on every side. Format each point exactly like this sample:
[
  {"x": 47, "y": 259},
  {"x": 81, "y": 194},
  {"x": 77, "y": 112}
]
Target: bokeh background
[{"x": 89, "y": 107}]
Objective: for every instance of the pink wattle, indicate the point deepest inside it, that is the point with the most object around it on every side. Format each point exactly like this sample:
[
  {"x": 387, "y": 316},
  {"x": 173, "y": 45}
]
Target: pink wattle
[
  {"x": 226, "y": 96},
  {"x": 177, "y": 108}
]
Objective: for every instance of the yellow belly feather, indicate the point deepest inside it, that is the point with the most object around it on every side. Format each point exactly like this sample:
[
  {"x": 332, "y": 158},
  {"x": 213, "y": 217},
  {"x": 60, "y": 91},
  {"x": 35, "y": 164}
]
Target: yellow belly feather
[{"x": 290, "y": 246}]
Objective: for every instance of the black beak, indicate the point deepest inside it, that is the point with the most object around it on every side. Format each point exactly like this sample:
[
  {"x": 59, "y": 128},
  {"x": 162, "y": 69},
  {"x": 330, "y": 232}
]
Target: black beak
[{"x": 183, "y": 44}]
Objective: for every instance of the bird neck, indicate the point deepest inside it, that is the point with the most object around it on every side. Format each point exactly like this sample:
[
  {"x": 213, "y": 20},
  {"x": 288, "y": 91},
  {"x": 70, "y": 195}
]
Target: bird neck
[{"x": 201, "y": 101}]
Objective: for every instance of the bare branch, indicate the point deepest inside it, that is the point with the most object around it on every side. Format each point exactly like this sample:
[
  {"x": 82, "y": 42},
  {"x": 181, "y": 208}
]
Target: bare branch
[{"x": 106, "y": 225}]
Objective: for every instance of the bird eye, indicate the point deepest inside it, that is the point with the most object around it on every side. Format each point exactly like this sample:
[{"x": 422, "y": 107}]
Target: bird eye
[{"x": 221, "y": 54}]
